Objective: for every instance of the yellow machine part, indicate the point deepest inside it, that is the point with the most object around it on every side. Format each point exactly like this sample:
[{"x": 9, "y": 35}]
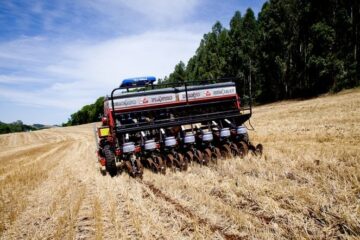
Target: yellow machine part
[{"x": 104, "y": 132}]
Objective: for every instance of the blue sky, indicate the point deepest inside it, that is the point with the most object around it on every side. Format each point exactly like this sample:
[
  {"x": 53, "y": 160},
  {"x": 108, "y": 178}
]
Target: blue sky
[{"x": 58, "y": 55}]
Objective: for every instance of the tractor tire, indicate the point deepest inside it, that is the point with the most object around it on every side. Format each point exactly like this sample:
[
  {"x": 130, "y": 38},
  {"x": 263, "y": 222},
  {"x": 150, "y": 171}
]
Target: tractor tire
[{"x": 110, "y": 161}]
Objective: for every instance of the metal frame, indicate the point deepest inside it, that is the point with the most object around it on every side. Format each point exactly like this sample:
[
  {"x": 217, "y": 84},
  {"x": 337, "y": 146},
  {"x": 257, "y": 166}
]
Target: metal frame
[{"x": 239, "y": 116}]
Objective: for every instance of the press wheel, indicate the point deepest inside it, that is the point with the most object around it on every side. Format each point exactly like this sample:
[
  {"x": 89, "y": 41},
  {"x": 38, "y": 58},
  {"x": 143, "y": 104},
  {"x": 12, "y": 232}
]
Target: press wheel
[
  {"x": 200, "y": 157},
  {"x": 140, "y": 168},
  {"x": 216, "y": 154},
  {"x": 207, "y": 155},
  {"x": 234, "y": 149},
  {"x": 183, "y": 164},
  {"x": 161, "y": 164},
  {"x": 226, "y": 151},
  {"x": 243, "y": 149}
]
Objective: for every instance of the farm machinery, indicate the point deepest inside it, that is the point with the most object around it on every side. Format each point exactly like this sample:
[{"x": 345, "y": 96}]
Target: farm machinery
[{"x": 170, "y": 126}]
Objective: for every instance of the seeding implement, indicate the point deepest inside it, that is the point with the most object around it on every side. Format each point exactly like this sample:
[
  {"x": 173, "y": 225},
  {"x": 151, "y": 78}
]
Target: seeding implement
[{"x": 169, "y": 126}]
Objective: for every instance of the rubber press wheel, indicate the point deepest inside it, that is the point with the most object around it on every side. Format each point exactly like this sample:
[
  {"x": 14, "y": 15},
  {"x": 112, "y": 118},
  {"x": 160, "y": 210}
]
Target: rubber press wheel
[{"x": 110, "y": 160}]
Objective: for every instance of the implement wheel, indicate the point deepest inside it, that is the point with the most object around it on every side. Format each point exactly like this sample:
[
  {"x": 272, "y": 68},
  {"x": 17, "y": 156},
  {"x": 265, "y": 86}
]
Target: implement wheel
[
  {"x": 161, "y": 164},
  {"x": 259, "y": 150},
  {"x": 226, "y": 151},
  {"x": 183, "y": 163},
  {"x": 200, "y": 158},
  {"x": 234, "y": 150},
  {"x": 243, "y": 149},
  {"x": 207, "y": 155},
  {"x": 129, "y": 168},
  {"x": 170, "y": 161},
  {"x": 189, "y": 156},
  {"x": 152, "y": 165},
  {"x": 110, "y": 160},
  {"x": 140, "y": 168},
  {"x": 216, "y": 154}
]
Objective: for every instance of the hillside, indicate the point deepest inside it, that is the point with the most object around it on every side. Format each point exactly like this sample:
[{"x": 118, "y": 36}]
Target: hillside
[
  {"x": 19, "y": 126},
  {"x": 306, "y": 185}
]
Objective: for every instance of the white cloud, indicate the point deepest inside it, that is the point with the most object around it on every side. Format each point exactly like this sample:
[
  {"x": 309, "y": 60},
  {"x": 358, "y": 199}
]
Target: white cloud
[
  {"x": 18, "y": 79},
  {"x": 78, "y": 73},
  {"x": 163, "y": 9},
  {"x": 154, "y": 10},
  {"x": 70, "y": 62}
]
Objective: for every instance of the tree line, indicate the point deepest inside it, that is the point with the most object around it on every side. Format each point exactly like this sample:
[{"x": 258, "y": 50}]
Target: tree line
[
  {"x": 292, "y": 49},
  {"x": 87, "y": 114},
  {"x": 17, "y": 126}
]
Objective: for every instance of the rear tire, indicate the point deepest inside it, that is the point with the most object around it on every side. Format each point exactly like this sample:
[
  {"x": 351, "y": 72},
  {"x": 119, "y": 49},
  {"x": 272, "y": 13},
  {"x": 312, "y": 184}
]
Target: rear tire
[{"x": 110, "y": 161}]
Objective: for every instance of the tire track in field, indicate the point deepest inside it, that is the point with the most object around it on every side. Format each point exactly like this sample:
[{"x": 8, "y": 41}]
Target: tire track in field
[
  {"x": 180, "y": 208},
  {"x": 130, "y": 221},
  {"x": 164, "y": 218},
  {"x": 85, "y": 220},
  {"x": 134, "y": 213},
  {"x": 245, "y": 205},
  {"x": 192, "y": 190},
  {"x": 286, "y": 220}
]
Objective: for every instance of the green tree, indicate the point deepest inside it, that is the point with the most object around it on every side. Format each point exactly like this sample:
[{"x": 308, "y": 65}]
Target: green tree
[
  {"x": 87, "y": 114},
  {"x": 179, "y": 74}
]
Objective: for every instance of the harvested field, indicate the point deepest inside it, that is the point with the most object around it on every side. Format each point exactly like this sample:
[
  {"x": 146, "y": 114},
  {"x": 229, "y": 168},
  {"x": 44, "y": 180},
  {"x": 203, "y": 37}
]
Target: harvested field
[{"x": 306, "y": 185}]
